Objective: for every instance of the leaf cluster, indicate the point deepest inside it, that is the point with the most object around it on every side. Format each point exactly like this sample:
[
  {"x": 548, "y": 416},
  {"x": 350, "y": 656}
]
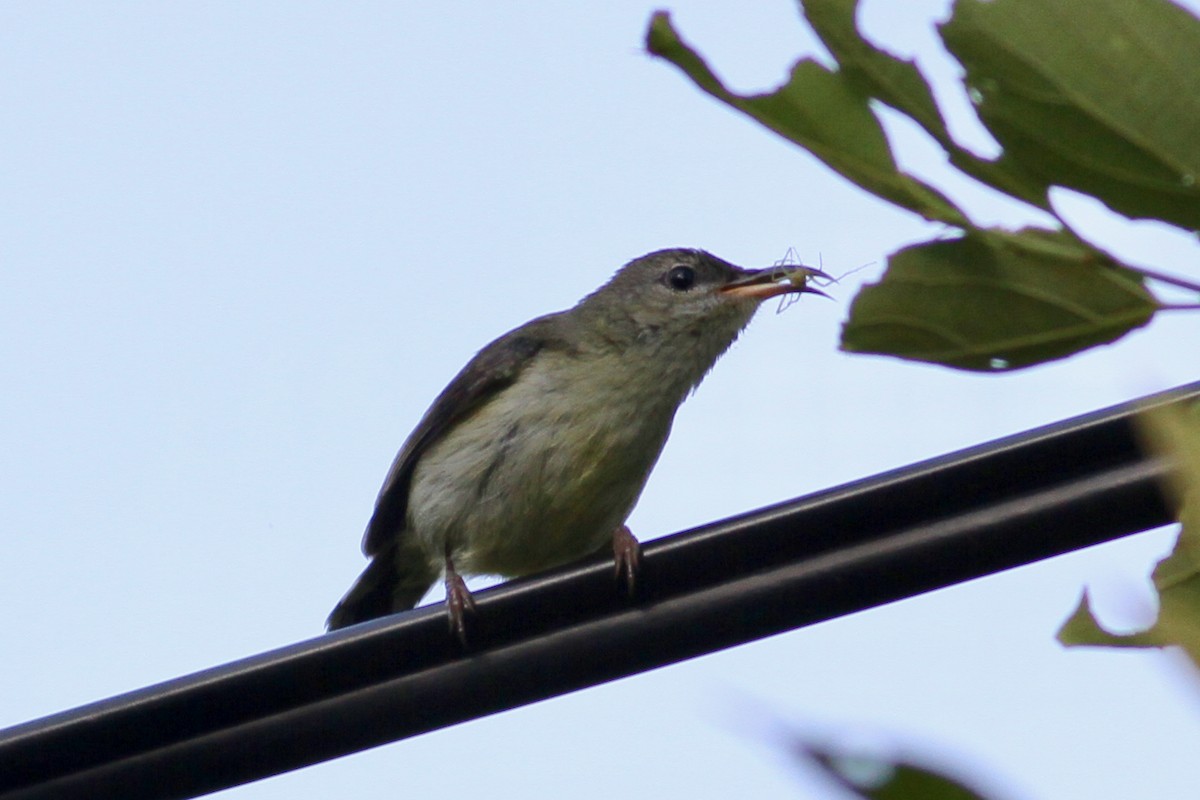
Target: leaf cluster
[{"x": 1105, "y": 102}]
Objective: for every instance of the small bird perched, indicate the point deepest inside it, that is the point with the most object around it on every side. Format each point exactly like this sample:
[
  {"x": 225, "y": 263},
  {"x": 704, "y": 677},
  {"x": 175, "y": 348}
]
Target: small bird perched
[{"x": 536, "y": 452}]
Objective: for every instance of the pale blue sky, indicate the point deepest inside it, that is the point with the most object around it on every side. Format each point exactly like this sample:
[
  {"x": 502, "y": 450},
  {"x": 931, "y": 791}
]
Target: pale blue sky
[{"x": 245, "y": 244}]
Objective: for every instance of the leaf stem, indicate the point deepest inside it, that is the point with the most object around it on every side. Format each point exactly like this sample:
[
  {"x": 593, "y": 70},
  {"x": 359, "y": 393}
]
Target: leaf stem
[
  {"x": 1165, "y": 278},
  {"x": 1153, "y": 275}
]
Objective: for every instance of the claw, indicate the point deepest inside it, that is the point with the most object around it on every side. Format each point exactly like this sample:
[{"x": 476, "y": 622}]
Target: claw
[
  {"x": 627, "y": 554},
  {"x": 459, "y": 602}
]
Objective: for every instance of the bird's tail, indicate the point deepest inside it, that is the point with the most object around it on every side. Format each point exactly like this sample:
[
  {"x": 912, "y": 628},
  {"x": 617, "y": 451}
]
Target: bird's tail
[{"x": 396, "y": 579}]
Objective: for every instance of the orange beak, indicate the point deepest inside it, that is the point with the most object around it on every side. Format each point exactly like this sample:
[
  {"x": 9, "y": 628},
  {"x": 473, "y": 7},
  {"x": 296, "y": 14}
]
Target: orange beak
[{"x": 773, "y": 281}]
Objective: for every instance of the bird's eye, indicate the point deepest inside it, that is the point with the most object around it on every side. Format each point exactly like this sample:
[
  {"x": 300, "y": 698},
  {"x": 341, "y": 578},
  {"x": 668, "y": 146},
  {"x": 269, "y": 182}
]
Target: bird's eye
[{"x": 681, "y": 278}]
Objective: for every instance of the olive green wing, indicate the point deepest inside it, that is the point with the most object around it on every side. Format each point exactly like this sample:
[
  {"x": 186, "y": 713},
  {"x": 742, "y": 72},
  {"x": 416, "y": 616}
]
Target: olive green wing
[{"x": 489, "y": 373}]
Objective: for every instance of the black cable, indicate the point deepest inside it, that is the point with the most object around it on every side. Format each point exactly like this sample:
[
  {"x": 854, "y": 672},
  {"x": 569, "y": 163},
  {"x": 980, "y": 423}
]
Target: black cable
[{"x": 961, "y": 516}]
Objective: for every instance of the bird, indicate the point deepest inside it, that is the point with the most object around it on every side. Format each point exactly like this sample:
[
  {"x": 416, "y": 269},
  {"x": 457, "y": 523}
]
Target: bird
[{"x": 536, "y": 452}]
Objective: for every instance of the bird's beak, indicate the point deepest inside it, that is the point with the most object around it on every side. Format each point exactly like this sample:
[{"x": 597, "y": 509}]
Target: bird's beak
[{"x": 761, "y": 284}]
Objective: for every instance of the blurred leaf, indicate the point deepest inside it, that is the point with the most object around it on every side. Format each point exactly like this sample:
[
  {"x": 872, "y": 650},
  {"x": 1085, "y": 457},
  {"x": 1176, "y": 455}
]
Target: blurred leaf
[
  {"x": 899, "y": 84},
  {"x": 824, "y": 113},
  {"x": 1082, "y": 628},
  {"x": 996, "y": 300},
  {"x": 877, "y": 778},
  {"x": 1105, "y": 101},
  {"x": 1173, "y": 433}
]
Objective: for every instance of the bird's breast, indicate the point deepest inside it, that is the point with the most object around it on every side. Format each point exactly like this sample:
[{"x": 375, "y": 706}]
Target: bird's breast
[{"x": 543, "y": 473}]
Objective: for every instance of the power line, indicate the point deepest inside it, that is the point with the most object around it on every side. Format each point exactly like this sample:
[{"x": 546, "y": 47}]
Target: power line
[{"x": 968, "y": 514}]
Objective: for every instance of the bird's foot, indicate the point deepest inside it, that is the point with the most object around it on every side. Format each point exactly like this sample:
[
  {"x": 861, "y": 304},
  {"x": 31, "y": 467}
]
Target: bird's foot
[
  {"x": 459, "y": 602},
  {"x": 627, "y": 554}
]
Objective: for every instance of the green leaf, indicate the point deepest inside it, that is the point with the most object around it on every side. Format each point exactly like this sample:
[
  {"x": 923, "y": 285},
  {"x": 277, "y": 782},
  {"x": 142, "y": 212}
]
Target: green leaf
[
  {"x": 1082, "y": 628},
  {"x": 900, "y": 84},
  {"x": 894, "y": 81},
  {"x": 877, "y": 778},
  {"x": 824, "y": 113},
  {"x": 996, "y": 300},
  {"x": 1104, "y": 100},
  {"x": 1173, "y": 433}
]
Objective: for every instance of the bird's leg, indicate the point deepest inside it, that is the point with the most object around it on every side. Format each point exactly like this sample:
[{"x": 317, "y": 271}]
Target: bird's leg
[
  {"x": 627, "y": 554},
  {"x": 459, "y": 601}
]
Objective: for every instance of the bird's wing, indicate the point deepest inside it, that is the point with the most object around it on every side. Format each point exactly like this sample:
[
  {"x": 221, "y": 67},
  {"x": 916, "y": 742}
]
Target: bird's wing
[{"x": 493, "y": 369}]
